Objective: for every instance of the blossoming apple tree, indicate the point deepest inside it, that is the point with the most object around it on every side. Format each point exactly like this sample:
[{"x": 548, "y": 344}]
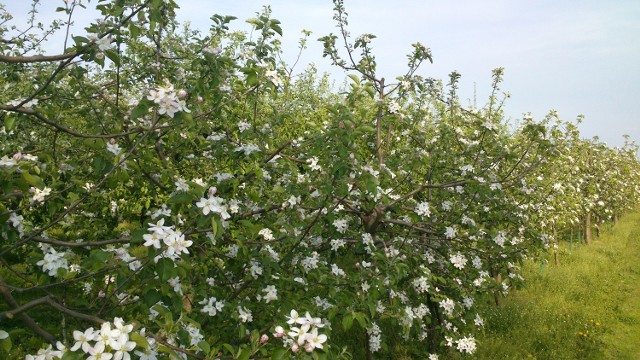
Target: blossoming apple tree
[{"x": 173, "y": 193}]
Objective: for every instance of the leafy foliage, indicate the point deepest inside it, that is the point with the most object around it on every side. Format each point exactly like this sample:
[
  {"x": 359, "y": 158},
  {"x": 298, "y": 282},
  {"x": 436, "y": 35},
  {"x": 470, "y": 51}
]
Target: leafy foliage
[{"x": 188, "y": 183}]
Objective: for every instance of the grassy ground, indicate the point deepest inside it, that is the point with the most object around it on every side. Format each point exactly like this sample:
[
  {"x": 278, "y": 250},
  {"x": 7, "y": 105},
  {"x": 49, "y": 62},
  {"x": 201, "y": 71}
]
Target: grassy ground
[{"x": 588, "y": 307}]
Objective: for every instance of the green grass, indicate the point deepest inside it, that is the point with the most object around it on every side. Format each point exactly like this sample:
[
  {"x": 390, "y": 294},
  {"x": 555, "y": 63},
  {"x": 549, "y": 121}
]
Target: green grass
[{"x": 588, "y": 307}]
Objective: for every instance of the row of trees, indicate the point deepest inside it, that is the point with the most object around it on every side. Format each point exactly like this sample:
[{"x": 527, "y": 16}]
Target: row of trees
[{"x": 168, "y": 192}]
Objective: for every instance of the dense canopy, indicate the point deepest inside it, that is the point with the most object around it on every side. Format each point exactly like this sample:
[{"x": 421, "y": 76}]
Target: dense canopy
[{"x": 169, "y": 192}]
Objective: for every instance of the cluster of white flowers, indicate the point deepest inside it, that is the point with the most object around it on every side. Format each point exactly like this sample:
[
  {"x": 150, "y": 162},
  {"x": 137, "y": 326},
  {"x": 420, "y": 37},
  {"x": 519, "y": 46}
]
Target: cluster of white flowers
[
  {"x": 103, "y": 43},
  {"x": 340, "y": 225},
  {"x": 500, "y": 238},
  {"x": 291, "y": 202},
  {"x": 211, "y": 306},
  {"x": 266, "y": 233},
  {"x": 244, "y": 315},
  {"x": 375, "y": 340},
  {"x": 110, "y": 342},
  {"x": 113, "y": 147},
  {"x": 272, "y": 76},
  {"x": 174, "y": 239},
  {"x": 13, "y": 160},
  {"x": 450, "y": 232},
  {"x": 123, "y": 255},
  {"x": 421, "y": 285},
  {"x": 393, "y": 107},
  {"x": 53, "y": 260},
  {"x": 423, "y": 209},
  {"x": 335, "y": 270},
  {"x": 305, "y": 336},
  {"x": 270, "y": 293},
  {"x": 458, "y": 261},
  {"x": 243, "y": 126},
  {"x": 466, "y": 345},
  {"x": 17, "y": 221},
  {"x": 213, "y": 204},
  {"x": 39, "y": 195},
  {"x": 170, "y": 101},
  {"x": 313, "y": 164},
  {"x": 28, "y": 105},
  {"x": 247, "y": 149},
  {"x": 448, "y": 306}
]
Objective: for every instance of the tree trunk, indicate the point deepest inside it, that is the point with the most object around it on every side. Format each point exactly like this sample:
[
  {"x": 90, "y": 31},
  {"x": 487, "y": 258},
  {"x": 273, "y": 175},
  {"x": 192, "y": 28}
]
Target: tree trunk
[
  {"x": 555, "y": 247},
  {"x": 496, "y": 293},
  {"x": 587, "y": 229}
]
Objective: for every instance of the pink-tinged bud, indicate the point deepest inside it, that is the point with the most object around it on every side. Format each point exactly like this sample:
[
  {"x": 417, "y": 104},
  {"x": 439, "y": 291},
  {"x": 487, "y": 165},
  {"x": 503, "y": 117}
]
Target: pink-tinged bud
[
  {"x": 99, "y": 56},
  {"x": 295, "y": 348},
  {"x": 200, "y": 99},
  {"x": 182, "y": 94},
  {"x": 264, "y": 338},
  {"x": 212, "y": 190},
  {"x": 112, "y": 141},
  {"x": 101, "y": 294},
  {"x": 308, "y": 347},
  {"x": 279, "y": 332},
  {"x": 17, "y": 156}
]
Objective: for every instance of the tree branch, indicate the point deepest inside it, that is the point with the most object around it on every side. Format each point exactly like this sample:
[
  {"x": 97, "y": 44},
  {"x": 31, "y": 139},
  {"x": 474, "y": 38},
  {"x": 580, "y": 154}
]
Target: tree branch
[
  {"x": 35, "y": 58},
  {"x": 24, "y": 317},
  {"x": 52, "y": 123}
]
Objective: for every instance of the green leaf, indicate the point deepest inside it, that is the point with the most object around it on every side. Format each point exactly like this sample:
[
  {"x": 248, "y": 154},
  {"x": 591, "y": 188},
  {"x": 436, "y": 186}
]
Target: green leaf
[
  {"x": 277, "y": 29},
  {"x": 68, "y": 355},
  {"x": 214, "y": 226},
  {"x": 9, "y": 123},
  {"x": 139, "y": 340},
  {"x": 204, "y": 346},
  {"x": 165, "y": 269},
  {"x": 255, "y": 22},
  {"x": 141, "y": 109},
  {"x": 347, "y": 322},
  {"x": 229, "y": 348},
  {"x": 355, "y": 79},
  {"x": 99, "y": 255},
  {"x": 244, "y": 354},
  {"x": 79, "y": 40},
  {"x": 152, "y": 297},
  {"x": 183, "y": 117},
  {"x": 280, "y": 354},
  {"x": 33, "y": 180},
  {"x": 371, "y": 184},
  {"x": 361, "y": 318},
  {"x": 5, "y": 344},
  {"x": 113, "y": 56},
  {"x": 181, "y": 198}
]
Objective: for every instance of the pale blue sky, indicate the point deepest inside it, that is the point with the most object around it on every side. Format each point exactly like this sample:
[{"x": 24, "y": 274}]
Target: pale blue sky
[{"x": 577, "y": 57}]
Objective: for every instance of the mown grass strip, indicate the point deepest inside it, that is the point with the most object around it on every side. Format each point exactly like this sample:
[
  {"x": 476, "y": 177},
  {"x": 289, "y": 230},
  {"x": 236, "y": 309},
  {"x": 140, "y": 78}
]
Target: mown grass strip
[{"x": 588, "y": 307}]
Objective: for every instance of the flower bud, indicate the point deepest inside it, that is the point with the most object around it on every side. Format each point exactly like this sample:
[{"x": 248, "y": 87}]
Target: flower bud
[
  {"x": 279, "y": 332},
  {"x": 308, "y": 347}
]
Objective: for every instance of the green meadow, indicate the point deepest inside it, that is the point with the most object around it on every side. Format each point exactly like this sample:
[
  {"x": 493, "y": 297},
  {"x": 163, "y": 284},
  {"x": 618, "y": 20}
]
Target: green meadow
[{"x": 586, "y": 307}]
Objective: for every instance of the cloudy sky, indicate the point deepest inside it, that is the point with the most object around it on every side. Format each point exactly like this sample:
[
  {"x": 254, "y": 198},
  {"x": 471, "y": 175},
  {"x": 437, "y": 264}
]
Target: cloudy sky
[{"x": 576, "y": 57}]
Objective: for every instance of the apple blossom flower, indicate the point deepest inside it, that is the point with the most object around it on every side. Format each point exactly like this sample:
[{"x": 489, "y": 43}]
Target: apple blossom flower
[
  {"x": 213, "y": 204},
  {"x": 83, "y": 338}
]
